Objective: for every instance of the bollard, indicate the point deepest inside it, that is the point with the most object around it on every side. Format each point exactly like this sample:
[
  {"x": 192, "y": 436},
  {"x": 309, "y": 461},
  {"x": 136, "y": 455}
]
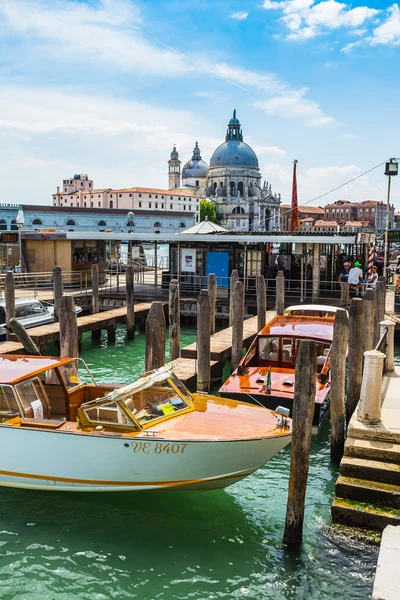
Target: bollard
[
  {"x": 280, "y": 293},
  {"x": 261, "y": 302},
  {"x": 389, "y": 361},
  {"x": 174, "y": 320},
  {"x": 369, "y": 408},
  {"x": 212, "y": 293},
  {"x": 303, "y": 414},
  {"x": 9, "y": 292},
  {"x": 380, "y": 293},
  {"x": 234, "y": 278},
  {"x": 203, "y": 342},
  {"x": 355, "y": 360},
  {"x": 58, "y": 290},
  {"x": 155, "y": 337},
  {"x": 237, "y": 324},
  {"x": 68, "y": 328},
  {"x": 338, "y": 380},
  {"x": 95, "y": 289},
  {"x": 369, "y": 319}
]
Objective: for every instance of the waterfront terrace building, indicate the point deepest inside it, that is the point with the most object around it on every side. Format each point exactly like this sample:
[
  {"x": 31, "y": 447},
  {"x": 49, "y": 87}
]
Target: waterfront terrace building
[{"x": 369, "y": 212}]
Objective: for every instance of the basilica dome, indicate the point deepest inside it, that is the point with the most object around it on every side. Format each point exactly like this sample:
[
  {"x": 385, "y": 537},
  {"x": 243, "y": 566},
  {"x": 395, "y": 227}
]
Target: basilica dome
[
  {"x": 195, "y": 167},
  {"x": 234, "y": 152}
]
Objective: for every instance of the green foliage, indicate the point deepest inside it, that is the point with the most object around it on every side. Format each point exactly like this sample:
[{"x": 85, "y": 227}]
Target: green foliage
[{"x": 207, "y": 209}]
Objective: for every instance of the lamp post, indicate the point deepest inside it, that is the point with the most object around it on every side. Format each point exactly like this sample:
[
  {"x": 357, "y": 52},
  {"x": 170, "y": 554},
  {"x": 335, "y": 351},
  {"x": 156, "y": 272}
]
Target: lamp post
[
  {"x": 391, "y": 169},
  {"x": 20, "y": 220},
  {"x": 131, "y": 224}
]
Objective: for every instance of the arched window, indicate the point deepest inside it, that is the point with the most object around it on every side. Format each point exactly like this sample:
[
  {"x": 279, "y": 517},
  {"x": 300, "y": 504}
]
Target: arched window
[
  {"x": 3, "y": 225},
  {"x": 240, "y": 188},
  {"x": 232, "y": 186},
  {"x": 71, "y": 222},
  {"x": 101, "y": 224},
  {"x": 111, "y": 204},
  {"x": 214, "y": 187},
  {"x": 37, "y": 222},
  {"x": 238, "y": 210},
  {"x": 157, "y": 224},
  {"x": 14, "y": 224},
  {"x": 182, "y": 224},
  {"x": 157, "y": 231}
]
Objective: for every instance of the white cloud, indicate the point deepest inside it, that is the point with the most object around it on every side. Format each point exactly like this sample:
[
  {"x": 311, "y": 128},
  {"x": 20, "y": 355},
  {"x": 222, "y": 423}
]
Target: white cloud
[
  {"x": 267, "y": 151},
  {"x": 295, "y": 104},
  {"x": 349, "y": 47},
  {"x": 239, "y": 16},
  {"x": 389, "y": 31}
]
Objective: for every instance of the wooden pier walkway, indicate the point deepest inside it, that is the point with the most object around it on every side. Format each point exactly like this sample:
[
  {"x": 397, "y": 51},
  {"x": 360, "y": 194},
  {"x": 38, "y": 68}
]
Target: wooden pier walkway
[{"x": 221, "y": 342}]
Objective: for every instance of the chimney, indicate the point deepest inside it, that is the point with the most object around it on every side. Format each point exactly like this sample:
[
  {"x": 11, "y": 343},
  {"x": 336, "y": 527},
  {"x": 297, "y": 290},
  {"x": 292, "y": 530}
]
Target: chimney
[{"x": 58, "y": 189}]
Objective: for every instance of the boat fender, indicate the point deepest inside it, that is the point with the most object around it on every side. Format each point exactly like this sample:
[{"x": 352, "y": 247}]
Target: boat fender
[{"x": 288, "y": 383}]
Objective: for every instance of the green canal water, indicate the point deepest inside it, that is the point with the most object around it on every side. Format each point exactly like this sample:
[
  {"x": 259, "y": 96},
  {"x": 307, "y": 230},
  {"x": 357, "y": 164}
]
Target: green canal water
[{"x": 177, "y": 545}]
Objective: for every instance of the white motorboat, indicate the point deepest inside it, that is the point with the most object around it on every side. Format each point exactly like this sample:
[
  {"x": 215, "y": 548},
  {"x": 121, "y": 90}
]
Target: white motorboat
[{"x": 59, "y": 433}]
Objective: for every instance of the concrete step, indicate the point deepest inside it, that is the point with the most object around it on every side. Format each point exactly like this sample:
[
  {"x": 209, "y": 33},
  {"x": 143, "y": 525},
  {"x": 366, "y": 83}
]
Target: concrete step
[
  {"x": 384, "y": 494},
  {"x": 372, "y": 449},
  {"x": 370, "y": 470},
  {"x": 360, "y": 514}
]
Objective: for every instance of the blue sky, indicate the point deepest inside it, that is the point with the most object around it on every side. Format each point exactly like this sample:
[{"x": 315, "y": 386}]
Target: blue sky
[{"x": 106, "y": 87}]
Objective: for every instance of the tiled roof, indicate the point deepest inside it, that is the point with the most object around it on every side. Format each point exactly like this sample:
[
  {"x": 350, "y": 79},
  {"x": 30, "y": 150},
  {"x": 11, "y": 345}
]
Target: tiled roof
[
  {"x": 321, "y": 223},
  {"x": 305, "y": 209},
  {"x": 176, "y": 192}
]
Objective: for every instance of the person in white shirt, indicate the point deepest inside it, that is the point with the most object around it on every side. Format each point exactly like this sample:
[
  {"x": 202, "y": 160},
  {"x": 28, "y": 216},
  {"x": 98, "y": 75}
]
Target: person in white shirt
[
  {"x": 372, "y": 278},
  {"x": 355, "y": 274}
]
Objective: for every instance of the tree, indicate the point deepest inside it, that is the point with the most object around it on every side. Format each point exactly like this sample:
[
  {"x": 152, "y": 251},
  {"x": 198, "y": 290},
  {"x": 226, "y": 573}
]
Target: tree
[{"x": 207, "y": 209}]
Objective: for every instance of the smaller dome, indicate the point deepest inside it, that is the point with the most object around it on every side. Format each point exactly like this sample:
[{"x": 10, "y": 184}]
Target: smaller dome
[
  {"x": 174, "y": 153},
  {"x": 195, "y": 167}
]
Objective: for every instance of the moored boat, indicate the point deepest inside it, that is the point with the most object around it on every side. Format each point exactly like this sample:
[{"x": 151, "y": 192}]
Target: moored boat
[
  {"x": 266, "y": 373},
  {"x": 59, "y": 433}
]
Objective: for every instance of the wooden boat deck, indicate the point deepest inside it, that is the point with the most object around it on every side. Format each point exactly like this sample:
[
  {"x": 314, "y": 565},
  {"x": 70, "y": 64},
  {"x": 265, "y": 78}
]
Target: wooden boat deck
[{"x": 221, "y": 342}]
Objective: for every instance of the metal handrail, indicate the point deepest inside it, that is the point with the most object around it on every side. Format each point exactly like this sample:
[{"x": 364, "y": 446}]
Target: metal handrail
[{"x": 380, "y": 345}]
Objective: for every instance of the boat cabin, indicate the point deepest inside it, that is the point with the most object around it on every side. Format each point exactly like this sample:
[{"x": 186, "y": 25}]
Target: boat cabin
[
  {"x": 48, "y": 392},
  {"x": 277, "y": 343}
]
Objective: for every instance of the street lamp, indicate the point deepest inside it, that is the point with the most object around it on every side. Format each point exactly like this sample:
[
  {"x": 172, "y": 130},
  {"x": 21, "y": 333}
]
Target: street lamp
[
  {"x": 131, "y": 224},
  {"x": 391, "y": 169},
  {"x": 20, "y": 220}
]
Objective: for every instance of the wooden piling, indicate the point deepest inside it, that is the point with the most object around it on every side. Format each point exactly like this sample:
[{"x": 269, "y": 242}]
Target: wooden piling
[
  {"x": 237, "y": 324},
  {"x": 68, "y": 328},
  {"x": 174, "y": 320},
  {"x": 369, "y": 319},
  {"x": 280, "y": 293},
  {"x": 130, "y": 305},
  {"x": 303, "y": 413},
  {"x": 380, "y": 293},
  {"x": 25, "y": 339},
  {"x": 95, "y": 289},
  {"x": 261, "y": 302},
  {"x": 155, "y": 337},
  {"x": 58, "y": 290},
  {"x": 9, "y": 292},
  {"x": 212, "y": 293},
  {"x": 355, "y": 357},
  {"x": 234, "y": 278},
  {"x": 338, "y": 380},
  {"x": 203, "y": 342},
  {"x": 111, "y": 334}
]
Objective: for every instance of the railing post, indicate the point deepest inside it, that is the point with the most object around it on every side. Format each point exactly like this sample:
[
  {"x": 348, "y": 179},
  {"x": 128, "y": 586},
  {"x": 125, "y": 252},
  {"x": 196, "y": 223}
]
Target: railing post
[
  {"x": 369, "y": 408},
  {"x": 234, "y": 278},
  {"x": 280, "y": 293},
  {"x": 389, "y": 326}
]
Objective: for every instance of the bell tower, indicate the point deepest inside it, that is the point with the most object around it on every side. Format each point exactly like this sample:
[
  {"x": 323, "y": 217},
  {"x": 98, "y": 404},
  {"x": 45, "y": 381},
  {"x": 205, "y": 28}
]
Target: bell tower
[{"x": 174, "y": 170}]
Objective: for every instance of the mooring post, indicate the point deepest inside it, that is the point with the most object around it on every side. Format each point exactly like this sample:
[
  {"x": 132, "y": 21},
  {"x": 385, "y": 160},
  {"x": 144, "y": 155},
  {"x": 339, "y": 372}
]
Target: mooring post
[
  {"x": 338, "y": 380},
  {"x": 130, "y": 303},
  {"x": 316, "y": 270},
  {"x": 380, "y": 292},
  {"x": 25, "y": 339},
  {"x": 303, "y": 414},
  {"x": 237, "y": 324},
  {"x": 174, "y": 320},
  {"x": 355, "y": 359},
  {"x": 212, "y": 293},
  {"x": 155, "y": 337},
  {"x": 58, "y": 290},
  {"x": 203, "y": 342},
  {"x": 280, "y": 293},
  {"x": 369, "y": 408},
  {"x": 111, "y": 334},
  {"x": 344, "y": 294},
  {"x": 95, "y": 289},
  {"x": 389, "y": 349},
  {"x": 234, "y": 278},
  {"x": 369, "y": 319},
  {"x": 261, "y": 302},
  {"x": 68, "y": 328},
  {"x": 9, "y": 292}
]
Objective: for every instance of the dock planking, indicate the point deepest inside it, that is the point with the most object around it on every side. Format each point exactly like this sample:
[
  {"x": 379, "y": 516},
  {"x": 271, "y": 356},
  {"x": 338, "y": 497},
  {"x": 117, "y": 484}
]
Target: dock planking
[
  {"x": 186, "y": 370},
  {"x": 221, "y": 342}
]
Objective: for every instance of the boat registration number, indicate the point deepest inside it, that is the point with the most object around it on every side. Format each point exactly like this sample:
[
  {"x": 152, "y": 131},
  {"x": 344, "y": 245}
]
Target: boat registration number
[{"x": 158, "y": 447}]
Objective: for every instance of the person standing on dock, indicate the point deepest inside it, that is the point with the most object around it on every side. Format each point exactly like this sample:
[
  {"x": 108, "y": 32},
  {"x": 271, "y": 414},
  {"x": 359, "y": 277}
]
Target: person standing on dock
[
  {"x": 343, "y": 280},
  {"x": 355, "y": 274}
]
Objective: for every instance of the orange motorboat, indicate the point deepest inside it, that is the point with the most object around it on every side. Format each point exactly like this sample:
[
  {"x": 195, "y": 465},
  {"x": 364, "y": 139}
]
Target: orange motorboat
[{"x": 266, "y": 373}]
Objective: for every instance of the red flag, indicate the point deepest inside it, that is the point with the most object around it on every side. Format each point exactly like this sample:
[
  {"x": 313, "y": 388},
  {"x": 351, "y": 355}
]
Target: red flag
[{"x": 294, "y": 221}]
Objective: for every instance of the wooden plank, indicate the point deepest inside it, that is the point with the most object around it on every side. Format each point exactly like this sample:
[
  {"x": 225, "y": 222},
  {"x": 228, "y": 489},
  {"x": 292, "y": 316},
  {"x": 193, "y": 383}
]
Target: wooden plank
[
  {"x": 221, "y": 342},
  {"x": 11, "y": 347},
  {"x": 185, "y": 369}
]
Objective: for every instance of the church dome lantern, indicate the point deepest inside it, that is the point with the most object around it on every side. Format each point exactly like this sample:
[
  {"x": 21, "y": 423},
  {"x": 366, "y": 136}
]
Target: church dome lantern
[{"x": 234, "y": 152}]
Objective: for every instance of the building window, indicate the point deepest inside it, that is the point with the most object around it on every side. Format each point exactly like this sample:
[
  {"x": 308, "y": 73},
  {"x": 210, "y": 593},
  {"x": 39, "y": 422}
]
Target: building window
[
  {"x": 182, "y": 224},
  {"x": 71, "y": 197},
  {"x": 70, "y": 224},
  {"x": 99, "y": 196},
  {"x": 14, "y": 224},
  {"x": 99, "y": 204},
  {"x": 190, "y": 208},
  {"x": 101, "y": 224},
  {"x": 120, "y": 195},
  {"x": 65, "y": 189},
  {"x": 170, "y": 206},
  {"x": 84, "y": 204},
  {"x": 197, "y": 183},
  {"x": 111, "y": 204},
  {"x": 61, "y": 197},
  {"x": 157, "y": 224},
  {"x": 37, "y": 222},
  {"x": 91, "y": 204},
  {"x": 162, "y": 197},
  {"x": 156, "y": 203},
  {"x": 140, "y": 205},
  {"x": 3, "y": 225},
  {"x": 150, "y": 203},
  {"x": 130, "y": 195},
  {"x": 171, "y": 198},
  {"x": 84, "y": 197},
  {"x": 156, "y": 196},
  {"x": 162, "y": 205},
  {"x": 184, "y": 207},
  {"x": 149, "y": 195},
  {"x": 140, "y": 195}
]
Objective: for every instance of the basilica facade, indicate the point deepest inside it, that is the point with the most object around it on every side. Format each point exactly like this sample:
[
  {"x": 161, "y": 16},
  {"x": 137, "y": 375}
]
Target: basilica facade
[{"x": 232, "y": 181}]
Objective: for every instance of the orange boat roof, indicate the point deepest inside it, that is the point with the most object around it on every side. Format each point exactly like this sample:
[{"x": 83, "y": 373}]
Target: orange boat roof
[
  {"x": 15, "y": 367},
  {"x": 319, "y": 328}
]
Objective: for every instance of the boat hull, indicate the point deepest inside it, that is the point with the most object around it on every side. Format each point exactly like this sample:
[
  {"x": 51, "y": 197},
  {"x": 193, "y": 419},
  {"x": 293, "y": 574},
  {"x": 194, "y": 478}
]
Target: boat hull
[{"x": 68, "y": 461}]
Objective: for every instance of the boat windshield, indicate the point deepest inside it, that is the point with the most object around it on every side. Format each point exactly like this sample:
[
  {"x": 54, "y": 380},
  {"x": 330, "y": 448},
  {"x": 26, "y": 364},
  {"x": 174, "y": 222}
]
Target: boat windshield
[{"x": 71, "y": 376}]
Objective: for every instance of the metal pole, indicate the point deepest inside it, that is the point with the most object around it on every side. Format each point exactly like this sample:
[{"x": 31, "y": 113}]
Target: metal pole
[
  {"x": 302, "y": 274},
  {"x": 387, "y": 226},
  {"x": 20, "y": 247}
]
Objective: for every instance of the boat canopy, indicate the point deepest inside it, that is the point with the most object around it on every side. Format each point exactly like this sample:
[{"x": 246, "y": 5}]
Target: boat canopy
[{"x": 311, "y": 328}]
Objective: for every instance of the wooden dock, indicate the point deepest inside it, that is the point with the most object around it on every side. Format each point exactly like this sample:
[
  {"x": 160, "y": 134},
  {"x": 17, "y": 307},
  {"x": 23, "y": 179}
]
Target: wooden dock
[{"x": 221, "y": 342}]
